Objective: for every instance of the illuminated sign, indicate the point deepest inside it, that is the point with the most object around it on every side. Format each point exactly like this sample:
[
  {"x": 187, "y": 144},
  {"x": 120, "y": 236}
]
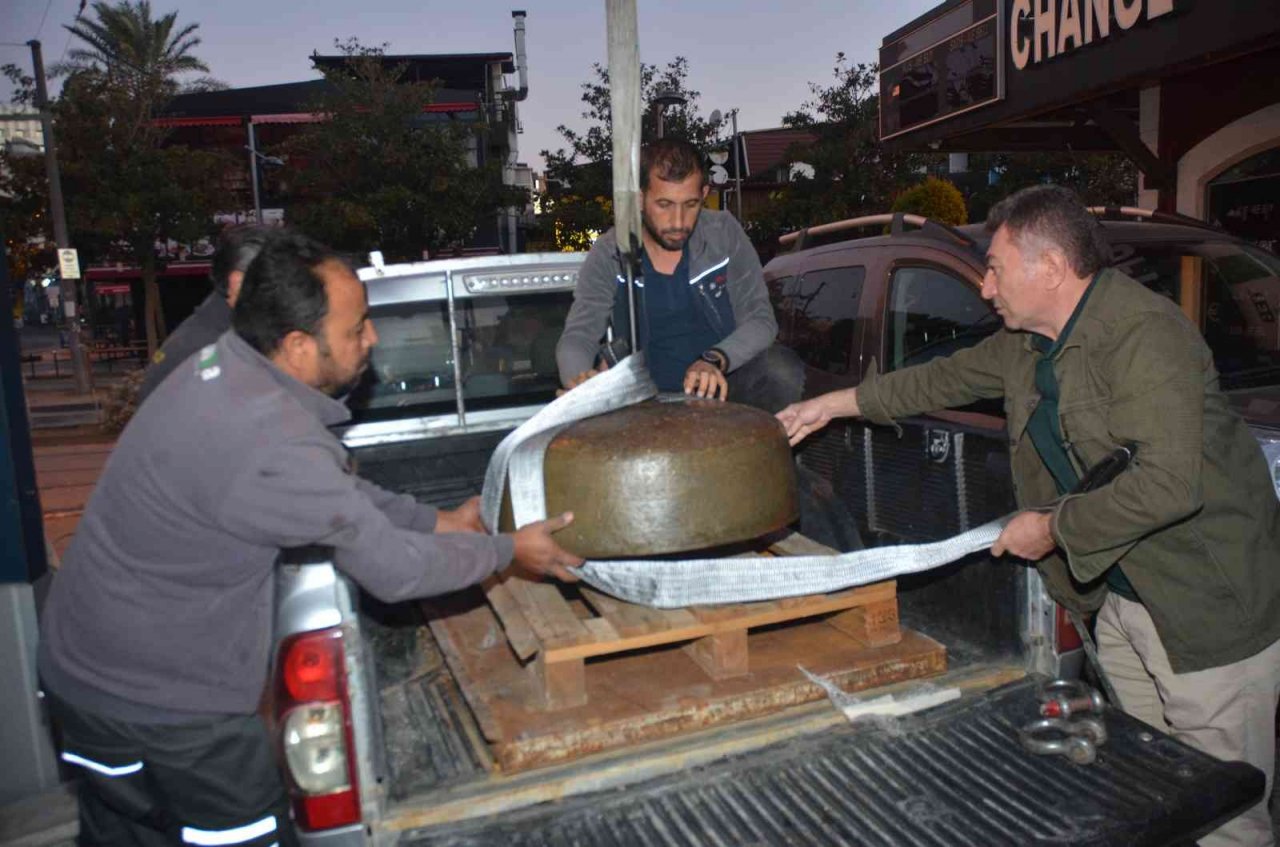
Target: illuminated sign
[
  {"x": 1043, "y": 29},
  {"x": 923, "y": 81}
]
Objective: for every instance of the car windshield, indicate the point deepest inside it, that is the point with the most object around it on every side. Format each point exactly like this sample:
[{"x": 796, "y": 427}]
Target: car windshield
[
  {"x": 1231, "y": 289},
  {"x": 506, "y": 355}
]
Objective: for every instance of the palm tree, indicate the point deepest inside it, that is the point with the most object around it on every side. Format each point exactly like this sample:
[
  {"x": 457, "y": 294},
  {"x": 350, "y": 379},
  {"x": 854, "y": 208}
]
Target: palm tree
[
  {"x": 131, "y": 61},
  {"x": 132, "y": 50}
]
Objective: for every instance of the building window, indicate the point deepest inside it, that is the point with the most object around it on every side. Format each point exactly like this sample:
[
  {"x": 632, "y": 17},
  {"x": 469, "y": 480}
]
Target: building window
[{"x": 1245, "y": 199}]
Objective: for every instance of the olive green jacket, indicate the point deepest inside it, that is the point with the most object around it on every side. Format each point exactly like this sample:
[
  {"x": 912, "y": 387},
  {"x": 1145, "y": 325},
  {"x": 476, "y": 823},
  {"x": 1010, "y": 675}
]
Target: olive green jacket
[{"x": 1194, "y": 520}]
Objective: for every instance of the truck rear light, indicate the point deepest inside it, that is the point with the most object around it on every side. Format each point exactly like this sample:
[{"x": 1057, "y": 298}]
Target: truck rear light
[
  {"x": 313, "y": 717},
  {"x": 1067, "y": 636}
]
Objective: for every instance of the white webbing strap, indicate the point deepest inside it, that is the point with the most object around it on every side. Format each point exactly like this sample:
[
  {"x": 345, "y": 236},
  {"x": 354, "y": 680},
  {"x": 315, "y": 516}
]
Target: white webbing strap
[{"x": 669, "y": 583}]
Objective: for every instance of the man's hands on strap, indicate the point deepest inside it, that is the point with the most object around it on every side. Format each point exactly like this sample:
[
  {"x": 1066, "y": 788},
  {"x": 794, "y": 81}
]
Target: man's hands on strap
[
  {"x": 539, "y": 554},
  {"x": 581, "y": 378},
  {"x": 704, "y": 379},
  {"x": 465, "y": 518},
  {"x": 1028, "y": 535}
]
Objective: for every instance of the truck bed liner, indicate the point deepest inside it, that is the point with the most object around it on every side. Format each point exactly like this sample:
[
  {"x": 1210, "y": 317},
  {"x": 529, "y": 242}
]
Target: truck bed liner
[{"x": 952, "y": 775}]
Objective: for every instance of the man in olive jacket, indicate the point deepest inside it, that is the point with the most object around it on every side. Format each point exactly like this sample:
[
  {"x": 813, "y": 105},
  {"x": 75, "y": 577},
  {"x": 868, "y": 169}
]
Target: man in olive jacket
[{"x": 1181, "y": 552}]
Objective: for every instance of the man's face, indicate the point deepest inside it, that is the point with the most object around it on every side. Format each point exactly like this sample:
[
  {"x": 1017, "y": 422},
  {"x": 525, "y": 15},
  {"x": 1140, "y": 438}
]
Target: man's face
[
  {"x": 346, "y": 333},
  {"x": 1013, "y": 283},
  {"x": 670, "y": 209}
]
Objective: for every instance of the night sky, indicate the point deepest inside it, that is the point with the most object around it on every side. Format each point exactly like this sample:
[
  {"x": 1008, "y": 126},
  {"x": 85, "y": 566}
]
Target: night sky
[{"x": 756, "y": 55}]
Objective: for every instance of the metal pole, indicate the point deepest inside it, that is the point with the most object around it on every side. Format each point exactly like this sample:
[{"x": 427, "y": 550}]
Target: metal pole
[
  {"x": 59, "y": 215},
  {"x": 624, "y": 100},
  {"x": 253, "y": 173},
  {"x": 659, "y": 108},
  {"x": 737, "y": 164}
]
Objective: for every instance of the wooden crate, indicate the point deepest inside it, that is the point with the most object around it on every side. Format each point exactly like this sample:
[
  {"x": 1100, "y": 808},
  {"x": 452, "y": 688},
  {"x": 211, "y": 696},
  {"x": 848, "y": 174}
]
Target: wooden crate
[{"x": 554, "y": 671}]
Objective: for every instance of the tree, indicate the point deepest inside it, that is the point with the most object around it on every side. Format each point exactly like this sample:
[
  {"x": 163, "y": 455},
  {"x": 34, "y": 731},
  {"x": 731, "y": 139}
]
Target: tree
[
  {"x": 935, "y": 199},
  {"x": 852, "y": 172},
  {"x": 1101, "y": 179},
  {"x": 128, "y": 190},
  {"x": 579, "y": 200},
  {"x": 382, "y": 173}
]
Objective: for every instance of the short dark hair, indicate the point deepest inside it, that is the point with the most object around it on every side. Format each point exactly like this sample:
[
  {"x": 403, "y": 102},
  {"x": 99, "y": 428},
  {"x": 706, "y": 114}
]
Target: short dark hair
[
  {"x": 237, "y": 248},
  {"x": 1054, "y": 214},
  {"x": 671, "y": 160},
  {"x": 283, "y": 291}
]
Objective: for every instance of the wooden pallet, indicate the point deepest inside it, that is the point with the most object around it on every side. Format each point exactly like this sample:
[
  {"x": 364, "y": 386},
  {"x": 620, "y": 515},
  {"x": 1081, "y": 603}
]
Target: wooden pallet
[
  {"x": 542, "y": 621},
  {"x": 554, "y": 673}
]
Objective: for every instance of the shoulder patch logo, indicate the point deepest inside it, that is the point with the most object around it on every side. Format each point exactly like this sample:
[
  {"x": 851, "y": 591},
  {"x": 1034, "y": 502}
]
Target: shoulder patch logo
[
  {"x": 158, "y": 357},
  {"x": 207, "y": 363}
]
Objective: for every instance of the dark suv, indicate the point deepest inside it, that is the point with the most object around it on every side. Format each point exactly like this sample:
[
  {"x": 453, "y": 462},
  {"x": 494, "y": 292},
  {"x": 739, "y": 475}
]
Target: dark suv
[{"x": 909, "y": 292}]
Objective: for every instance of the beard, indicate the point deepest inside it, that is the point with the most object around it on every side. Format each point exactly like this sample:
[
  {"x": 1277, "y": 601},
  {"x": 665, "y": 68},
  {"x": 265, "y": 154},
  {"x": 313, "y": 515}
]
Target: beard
[
  {"x": 335, "y": 383},
  {"x": 665, "y": 237}
]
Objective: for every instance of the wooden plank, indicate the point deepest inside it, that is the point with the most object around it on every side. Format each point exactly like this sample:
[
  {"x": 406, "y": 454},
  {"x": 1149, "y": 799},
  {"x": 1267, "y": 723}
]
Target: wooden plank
[
  {"x": 562, "y": 685},
  {"x": 723, "y": 655},
  {"x": 875, "y": 624},
  {"x": 630, "y": 619},
  {"x": 548, "y": 614},
  {"x": 523, "y": 640},
  {"x": 796, "y": 544},
  {"x": 752, "y": 615}
]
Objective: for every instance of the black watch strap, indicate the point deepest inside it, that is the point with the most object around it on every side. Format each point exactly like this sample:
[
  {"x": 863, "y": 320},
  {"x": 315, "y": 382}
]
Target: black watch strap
[{"x": 717, "y": 357}]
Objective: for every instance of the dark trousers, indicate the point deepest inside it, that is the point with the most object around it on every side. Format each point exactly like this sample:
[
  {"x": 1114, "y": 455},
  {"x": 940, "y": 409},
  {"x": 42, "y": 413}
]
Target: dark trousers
[
  {"x": 771, "y": 381},
  {"x": 206, "y": 783}
]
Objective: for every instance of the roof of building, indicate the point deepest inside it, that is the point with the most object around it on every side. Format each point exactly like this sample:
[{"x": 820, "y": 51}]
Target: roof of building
[
  {"x": 766, "y": 149},
  {"x": 452, "y": 70},
  {"x": 288, "y": 98}
]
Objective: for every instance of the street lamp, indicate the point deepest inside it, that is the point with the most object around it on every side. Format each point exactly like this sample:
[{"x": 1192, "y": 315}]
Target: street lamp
[
  {"x": 664, "y": 97},
  {"x": 715, "y": 120}
]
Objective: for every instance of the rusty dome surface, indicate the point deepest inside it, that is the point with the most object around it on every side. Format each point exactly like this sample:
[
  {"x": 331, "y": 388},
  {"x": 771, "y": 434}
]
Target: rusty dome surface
[{"x": 666, "y": 476}]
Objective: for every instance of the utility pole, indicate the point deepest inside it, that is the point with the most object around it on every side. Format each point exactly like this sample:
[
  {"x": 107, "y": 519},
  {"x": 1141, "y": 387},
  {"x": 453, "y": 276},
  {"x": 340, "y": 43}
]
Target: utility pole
[
  {"x": 79, "y": 366},
  {"x": 737, "y": 164}
]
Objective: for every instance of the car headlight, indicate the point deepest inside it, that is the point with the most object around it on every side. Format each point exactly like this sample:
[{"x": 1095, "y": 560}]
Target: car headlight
[{"x": 1270, "y": 442}]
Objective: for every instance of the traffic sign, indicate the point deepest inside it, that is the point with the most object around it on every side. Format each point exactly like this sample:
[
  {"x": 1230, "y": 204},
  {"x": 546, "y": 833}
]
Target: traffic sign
[{"x": 69, "y": 263}]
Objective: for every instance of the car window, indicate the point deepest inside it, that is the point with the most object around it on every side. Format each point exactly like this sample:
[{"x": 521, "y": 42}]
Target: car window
[
  {"x": 1231, "y": 290},
  {"x": 934, "y": 313},
  {"x": 506, "y": 348},
  {"x": 817, "y": 314}
]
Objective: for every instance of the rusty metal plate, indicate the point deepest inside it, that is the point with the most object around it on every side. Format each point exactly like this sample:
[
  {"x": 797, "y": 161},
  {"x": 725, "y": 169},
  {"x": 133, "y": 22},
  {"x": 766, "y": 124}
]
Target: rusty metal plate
[{"x": 667, "y": 476}]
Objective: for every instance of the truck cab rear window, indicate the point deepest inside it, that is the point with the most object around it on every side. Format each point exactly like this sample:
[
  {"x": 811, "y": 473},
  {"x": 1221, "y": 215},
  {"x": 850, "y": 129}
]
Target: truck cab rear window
[
  {"x": 817, "y": 314},
  {"x": 933, "y": 313}
]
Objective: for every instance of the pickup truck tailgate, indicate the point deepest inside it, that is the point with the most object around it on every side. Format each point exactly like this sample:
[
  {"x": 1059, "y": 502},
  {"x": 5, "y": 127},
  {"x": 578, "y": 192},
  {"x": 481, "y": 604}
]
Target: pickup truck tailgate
[{"x": 955, "y": 774}]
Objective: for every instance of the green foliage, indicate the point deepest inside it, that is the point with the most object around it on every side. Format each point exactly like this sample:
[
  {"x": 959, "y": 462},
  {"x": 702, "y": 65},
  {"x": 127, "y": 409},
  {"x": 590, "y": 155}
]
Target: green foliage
[
  {"x": 853, "y": 174},
  {"x": 935, "y": 199},
  {"x": 1101, "y": 179},
  {"x": 581, "y": 174},
  {"x": 127, "y": 190},
  {"x": 384, "y": 174}
]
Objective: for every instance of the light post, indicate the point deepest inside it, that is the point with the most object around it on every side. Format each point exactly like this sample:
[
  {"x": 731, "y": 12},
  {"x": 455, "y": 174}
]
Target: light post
[
  {"x": 254, "y": 157},
  {"x": 663, "y": 98}
]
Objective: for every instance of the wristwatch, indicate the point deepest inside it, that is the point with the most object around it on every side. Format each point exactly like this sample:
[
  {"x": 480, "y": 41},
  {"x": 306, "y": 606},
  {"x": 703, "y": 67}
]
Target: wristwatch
[{"x": 716, "y": 356}]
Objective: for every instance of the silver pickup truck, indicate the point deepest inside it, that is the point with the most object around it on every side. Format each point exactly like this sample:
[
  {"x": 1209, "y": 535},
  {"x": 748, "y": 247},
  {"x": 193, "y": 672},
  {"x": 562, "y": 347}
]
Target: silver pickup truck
[{"x": 382, "y": 746}]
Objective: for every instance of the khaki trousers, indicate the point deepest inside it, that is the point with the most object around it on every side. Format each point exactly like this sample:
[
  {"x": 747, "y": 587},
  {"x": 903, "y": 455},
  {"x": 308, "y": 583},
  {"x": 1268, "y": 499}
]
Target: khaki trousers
[{"x": 1228, "y": 711}]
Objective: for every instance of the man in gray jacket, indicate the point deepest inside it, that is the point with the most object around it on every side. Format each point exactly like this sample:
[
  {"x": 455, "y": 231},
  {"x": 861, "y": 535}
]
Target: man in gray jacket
[
  {"x": 156, "y": 635},
  {"x": 704, "y": 318},
  {"x": 237, "y": 247}
]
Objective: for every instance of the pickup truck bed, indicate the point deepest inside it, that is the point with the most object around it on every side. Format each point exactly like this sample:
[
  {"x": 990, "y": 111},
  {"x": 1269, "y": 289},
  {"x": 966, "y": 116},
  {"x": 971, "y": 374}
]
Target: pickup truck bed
[{"x": 955, "y": 774}]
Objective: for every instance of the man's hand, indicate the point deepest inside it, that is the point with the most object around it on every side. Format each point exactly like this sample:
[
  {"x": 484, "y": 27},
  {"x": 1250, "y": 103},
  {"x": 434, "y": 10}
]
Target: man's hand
[
  {"x": 581, "y": 378},
  {"x": 704, "y": 379},
  {"x": 539, "y": 554},
  {"x": 465, "y": 518},
  {"x": 800, "y": 419},
  {"x": 1027, "y": 536}
]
